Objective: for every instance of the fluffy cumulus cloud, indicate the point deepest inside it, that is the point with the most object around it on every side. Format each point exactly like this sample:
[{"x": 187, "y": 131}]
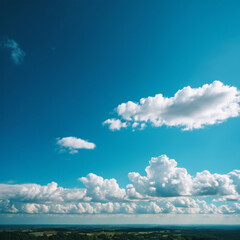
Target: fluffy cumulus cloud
[
  {"x": 165, "y": 179},
  {"x": 73, "y": 144},
  {"x": 99, "y": 189},
  {"x": 17, "y": 54},
  {"x": 190, "y": 108},
  {"x": 37, "y": 193},
  {"x": 165, "y": 189}
]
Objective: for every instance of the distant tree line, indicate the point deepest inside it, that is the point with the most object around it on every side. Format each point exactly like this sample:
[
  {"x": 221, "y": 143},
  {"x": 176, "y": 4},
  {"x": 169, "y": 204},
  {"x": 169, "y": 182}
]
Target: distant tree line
[{"x": 28, "y": 235}]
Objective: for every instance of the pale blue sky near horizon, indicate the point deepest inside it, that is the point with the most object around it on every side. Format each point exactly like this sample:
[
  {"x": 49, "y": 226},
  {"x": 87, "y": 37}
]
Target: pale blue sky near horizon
[{"x": 84, "y": 58}]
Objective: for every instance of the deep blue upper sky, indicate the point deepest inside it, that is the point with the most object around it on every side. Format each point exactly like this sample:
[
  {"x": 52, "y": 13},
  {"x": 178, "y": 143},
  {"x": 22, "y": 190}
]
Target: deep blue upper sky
[{"x": 83, "y": 58}]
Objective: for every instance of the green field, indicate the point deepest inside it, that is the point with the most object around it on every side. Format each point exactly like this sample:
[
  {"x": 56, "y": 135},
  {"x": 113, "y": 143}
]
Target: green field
[{"x": 97, "y": 233}]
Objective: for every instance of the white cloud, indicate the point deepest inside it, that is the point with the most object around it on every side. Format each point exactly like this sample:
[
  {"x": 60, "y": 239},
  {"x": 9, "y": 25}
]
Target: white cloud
[
  {"x": 165, "y": 179},
  {"x": 162, "y": 206},
  {"x": 17, "y": 54},
  {"x": 115, "y": 124},
  {"x": 7, "y": 207},
  {"x": 165, "y": 189},
  {"x": 190, "y": 108},
  {"x": 206, "y": 183},
  {"x": 99, "y": 189},
  {"x": 37, "y": 193},
  {"x": 73, "y": 144},
  {"x": 232, "y": 209}
]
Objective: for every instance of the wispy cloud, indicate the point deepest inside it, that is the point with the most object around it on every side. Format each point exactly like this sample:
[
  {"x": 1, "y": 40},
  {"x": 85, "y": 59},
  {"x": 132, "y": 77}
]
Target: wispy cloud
[
  {"x": 17, "y": 54},
  {"x": 190, "y": 108},
  {"x": 165, "y": 189},
  {"x": 73, "y": 144}
]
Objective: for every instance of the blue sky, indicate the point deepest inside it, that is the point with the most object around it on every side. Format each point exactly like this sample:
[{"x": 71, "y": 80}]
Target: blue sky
[{"x": 79, "y": 60}]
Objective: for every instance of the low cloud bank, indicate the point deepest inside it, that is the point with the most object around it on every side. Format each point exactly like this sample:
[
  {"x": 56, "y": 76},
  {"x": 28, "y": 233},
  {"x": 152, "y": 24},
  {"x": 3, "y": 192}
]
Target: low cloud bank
[{"x": 165, "y": 189}]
